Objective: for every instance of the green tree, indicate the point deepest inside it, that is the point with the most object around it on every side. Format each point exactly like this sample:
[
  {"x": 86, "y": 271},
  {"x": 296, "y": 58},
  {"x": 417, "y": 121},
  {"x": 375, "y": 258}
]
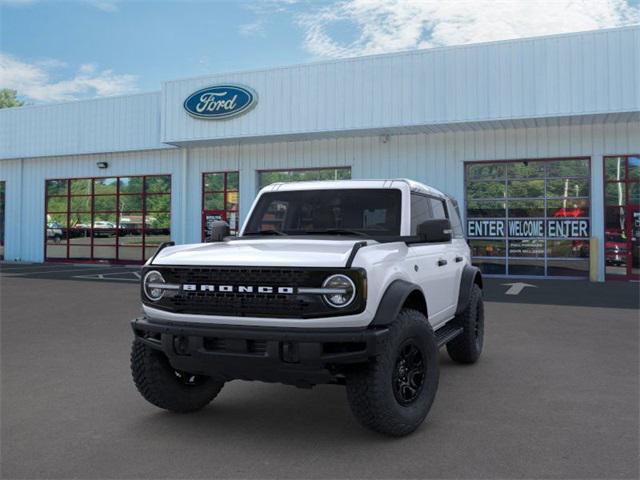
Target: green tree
[{"x": 8, "y": 98}]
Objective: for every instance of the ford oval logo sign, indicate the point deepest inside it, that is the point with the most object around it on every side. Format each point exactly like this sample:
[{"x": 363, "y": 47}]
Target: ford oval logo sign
[{"x": 220, "y": 101}]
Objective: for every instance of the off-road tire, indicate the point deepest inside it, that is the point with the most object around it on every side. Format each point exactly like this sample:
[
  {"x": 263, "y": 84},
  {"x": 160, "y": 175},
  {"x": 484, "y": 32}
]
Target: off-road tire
[
  {"x": 467, "y": 347},
  {"x": 370, "y": 388},
  {"x": 161, "y": 385}
]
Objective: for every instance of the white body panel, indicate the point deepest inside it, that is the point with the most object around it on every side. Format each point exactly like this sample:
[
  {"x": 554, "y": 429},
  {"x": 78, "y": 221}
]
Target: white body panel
[
  {"x": 271, "y": 252},
  {"x": 383, "y": 262}
]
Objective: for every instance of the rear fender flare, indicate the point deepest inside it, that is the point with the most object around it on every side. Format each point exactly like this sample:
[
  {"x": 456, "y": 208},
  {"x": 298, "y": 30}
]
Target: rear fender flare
[{"x": 470, "y": 275}]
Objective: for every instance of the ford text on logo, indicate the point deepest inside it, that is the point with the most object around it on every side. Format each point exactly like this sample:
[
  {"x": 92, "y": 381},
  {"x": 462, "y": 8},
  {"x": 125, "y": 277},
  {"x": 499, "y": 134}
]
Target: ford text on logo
[
  {"x": 190, "y": 287},
  {"x": 220, "y": 101}
]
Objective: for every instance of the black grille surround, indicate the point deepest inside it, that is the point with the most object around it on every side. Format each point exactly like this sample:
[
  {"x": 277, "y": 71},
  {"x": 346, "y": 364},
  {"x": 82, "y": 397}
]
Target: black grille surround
[{"x": 267, "y": 305}]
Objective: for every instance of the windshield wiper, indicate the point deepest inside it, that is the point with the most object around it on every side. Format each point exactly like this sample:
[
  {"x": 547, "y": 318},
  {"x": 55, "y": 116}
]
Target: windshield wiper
[
  {"x": 337, "y": 231},
  {"x": 265, "y": 232}
]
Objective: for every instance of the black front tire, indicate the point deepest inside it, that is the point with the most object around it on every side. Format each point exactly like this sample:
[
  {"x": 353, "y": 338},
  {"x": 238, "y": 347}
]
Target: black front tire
[
  {"x": 380, "y": 396},
  {"x": 161, "y": 385},
  {"x": 467, "y": 347}
]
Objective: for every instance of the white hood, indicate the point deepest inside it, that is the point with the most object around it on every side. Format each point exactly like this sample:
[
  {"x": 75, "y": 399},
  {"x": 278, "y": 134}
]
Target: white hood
[{"x": 272, "y": 252}]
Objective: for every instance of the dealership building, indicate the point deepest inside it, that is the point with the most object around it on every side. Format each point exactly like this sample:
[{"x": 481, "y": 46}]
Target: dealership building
[{"x": 538, "y": 139}]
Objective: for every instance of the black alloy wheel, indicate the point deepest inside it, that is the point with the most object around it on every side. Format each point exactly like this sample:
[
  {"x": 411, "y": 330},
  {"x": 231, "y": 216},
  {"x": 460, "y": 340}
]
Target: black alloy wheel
[
  {"x": 408, "y": 374},
  {"x": 393, "y": 393}
]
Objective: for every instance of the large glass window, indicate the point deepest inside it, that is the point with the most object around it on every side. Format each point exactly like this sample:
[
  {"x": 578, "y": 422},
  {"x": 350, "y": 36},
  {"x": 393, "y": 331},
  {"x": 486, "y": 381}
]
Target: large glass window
[
  {"x": 267, "y": 177},
  {"x": 622, "y": 217},
  {"x": 220, "y": 200},
  {"x": 107, "y": 219},
  {"x": 529, "y": 218}
]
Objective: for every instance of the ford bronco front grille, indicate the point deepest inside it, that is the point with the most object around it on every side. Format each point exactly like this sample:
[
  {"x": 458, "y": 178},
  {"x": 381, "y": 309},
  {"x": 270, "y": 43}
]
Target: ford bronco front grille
[{"x": 252, "y": 291}]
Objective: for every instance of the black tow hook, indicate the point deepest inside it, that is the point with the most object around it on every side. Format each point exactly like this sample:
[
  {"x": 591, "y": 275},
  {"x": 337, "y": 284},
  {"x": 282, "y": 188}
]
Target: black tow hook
[{"x": 289, "y": 352}]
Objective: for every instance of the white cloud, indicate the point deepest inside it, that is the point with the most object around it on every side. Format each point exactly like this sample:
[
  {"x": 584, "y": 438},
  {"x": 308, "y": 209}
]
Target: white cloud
[
  {"x": 252, "y": 29},
  {"x": 390, "y": 25},
  {"x": 87, "y": 68},
  {"x": 50, "y": 63},
  {"x": 264, "y": 11},
  {"x": 104, "y": 5},
  {"x": 269, "y": 7},
  {"x": 34, "y": 80}
]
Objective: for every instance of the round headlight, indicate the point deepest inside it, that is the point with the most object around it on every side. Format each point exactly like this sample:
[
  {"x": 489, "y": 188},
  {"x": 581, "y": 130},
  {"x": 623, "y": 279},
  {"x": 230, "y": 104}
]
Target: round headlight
[
  {"x": 344, "y": 291},
  {"x": 152, "y": 285}
]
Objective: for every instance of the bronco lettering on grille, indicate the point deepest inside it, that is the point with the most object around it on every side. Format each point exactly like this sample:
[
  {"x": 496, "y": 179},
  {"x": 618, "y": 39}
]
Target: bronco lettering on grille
[{"x": 192, "y": 287}]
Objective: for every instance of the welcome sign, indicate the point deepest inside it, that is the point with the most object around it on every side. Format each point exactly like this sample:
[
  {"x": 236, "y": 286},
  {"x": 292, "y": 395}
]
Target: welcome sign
[
  {"x": 220, "y": 102},
  {"x": 528, "y": 228}
]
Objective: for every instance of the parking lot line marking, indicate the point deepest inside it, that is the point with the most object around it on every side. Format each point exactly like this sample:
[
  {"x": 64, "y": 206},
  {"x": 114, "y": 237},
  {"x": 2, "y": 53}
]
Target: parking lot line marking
[
  {"x": 110, "y": 276},
  {"x": 516, "y": 288},
  {"x": 23, "y": 269},
  {"x": 61, "y": 270},
  {"x": 89, "y": 277}
]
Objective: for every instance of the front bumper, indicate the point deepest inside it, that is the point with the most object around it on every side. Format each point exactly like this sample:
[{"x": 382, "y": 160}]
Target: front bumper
[{"x": 301, "y": 357}]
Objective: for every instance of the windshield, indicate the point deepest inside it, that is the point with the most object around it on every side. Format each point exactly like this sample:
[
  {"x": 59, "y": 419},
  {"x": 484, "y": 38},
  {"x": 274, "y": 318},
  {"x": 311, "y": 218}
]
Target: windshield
[{"x": 359, "y": 212}]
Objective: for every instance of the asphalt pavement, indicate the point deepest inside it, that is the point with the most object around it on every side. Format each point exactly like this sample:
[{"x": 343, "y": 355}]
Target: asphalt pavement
[{"x": 555, "y": 395}]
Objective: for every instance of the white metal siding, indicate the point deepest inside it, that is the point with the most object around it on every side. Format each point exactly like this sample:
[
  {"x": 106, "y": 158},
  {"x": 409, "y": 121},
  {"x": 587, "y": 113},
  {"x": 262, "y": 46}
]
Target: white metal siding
[
  {"x": 11, "y": 174},
  {"x": 112, "y": 124},
  {"x": 558, "y": 76},
  {"x": 436, "y": 159}
]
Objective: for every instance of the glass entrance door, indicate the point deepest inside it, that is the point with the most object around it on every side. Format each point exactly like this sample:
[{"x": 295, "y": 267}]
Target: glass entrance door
[
  {"x": 530, "y": 217},
  {"x": 622, "y": 217},
  {"x": 220, "y": 192}
]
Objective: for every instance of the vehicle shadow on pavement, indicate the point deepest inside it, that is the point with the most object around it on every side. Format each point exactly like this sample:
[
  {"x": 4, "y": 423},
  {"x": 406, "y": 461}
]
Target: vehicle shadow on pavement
[
  {"x": 271, "y": 412},
  {"x": 274, "y": 411}
]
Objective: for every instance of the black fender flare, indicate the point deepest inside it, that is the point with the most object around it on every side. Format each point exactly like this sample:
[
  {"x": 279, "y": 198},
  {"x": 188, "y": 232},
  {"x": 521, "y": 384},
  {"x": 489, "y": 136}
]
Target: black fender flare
[
  {"x": 470, "y": 275},
  {"x": 392, "y": 301}
]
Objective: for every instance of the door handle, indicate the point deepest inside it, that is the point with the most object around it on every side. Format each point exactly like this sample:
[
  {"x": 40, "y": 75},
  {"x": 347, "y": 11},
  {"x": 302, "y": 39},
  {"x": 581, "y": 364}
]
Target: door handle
[
  {"x": 459, "y": 259},
  {"x": 442, "y": 262}
]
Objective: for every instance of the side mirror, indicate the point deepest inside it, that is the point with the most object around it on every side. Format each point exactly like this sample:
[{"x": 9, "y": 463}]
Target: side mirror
[
  {"x": 434, "y": 231},
  {"x": 217, "y": 230}
]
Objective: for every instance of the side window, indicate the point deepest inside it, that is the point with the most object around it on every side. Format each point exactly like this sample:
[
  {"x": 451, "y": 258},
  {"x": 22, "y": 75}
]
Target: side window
[
  {"x": 438, "y": 209},
  {"x": 454, "y": 216},
  {"x": 420, "y": 211}
]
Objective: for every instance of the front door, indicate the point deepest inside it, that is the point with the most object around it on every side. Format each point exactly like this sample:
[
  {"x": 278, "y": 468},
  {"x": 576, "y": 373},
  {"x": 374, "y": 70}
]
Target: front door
[
  {"x": 208, "y": 217},
  {"x": 622, "y": 217}
]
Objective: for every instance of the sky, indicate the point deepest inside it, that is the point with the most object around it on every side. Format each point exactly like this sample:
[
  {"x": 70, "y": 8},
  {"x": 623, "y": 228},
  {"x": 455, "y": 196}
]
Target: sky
[{"x": 54, "y": 50}]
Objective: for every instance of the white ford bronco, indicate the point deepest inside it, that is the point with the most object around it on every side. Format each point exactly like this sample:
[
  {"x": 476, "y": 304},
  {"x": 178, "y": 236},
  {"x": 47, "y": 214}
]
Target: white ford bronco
[{"x": 356, "y": 283}]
